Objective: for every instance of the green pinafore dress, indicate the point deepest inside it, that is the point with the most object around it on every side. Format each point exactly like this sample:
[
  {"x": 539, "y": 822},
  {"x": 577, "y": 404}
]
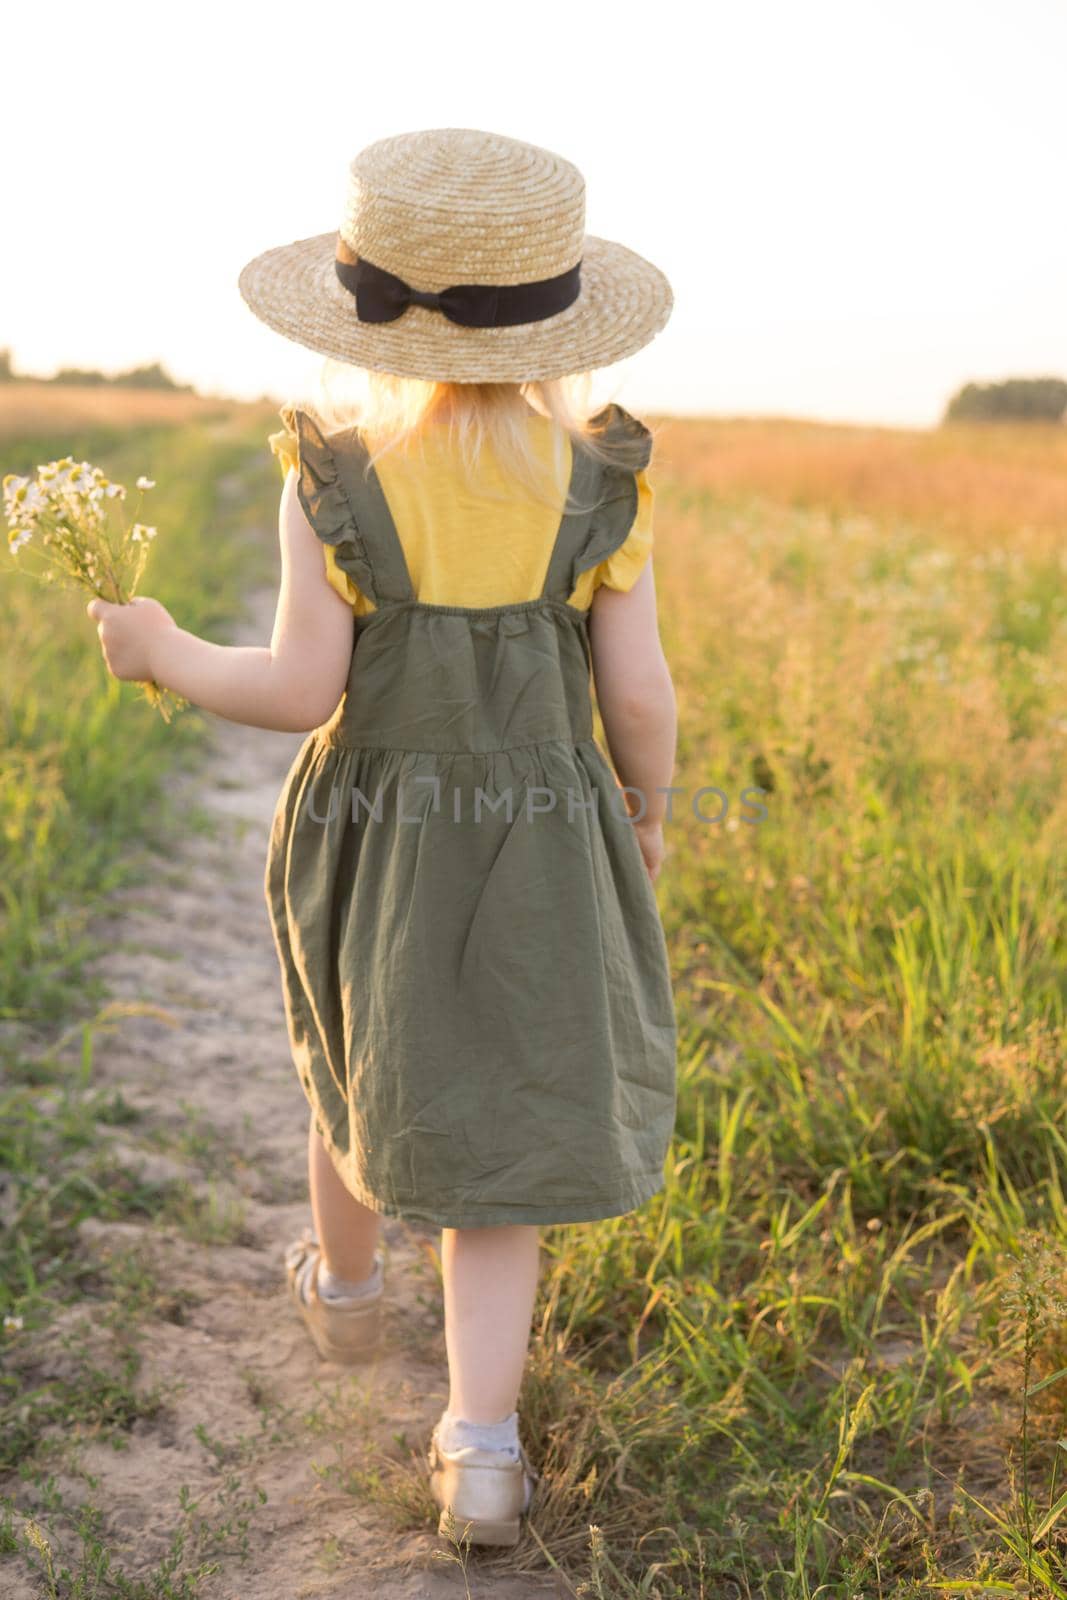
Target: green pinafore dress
[{"x": 475, "y": 974}]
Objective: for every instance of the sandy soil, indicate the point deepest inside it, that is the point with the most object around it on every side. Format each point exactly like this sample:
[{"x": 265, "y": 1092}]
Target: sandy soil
[{"x": 246, "y": 1393}]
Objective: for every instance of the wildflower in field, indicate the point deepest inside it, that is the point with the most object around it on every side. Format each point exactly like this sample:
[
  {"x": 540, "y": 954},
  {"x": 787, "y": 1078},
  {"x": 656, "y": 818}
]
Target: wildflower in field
[
  {"x": 11, "y": 1322},
  {"x": 71, "y": 515},
  {"x": 36, "y": 1537}
]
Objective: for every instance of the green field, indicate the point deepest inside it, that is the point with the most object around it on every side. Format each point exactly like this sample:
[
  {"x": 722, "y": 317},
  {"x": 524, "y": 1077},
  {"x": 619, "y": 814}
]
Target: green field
[
  {"x": 828, "y": 1359},
  {"x": 84, "y": 774}
]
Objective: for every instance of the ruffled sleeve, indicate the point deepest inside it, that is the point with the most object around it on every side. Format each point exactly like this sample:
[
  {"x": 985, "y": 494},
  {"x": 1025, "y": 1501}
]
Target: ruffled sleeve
[
  {"x": 619, "y": 538},
  {"x": 283, "y": 444},
  {"x": 301, "y": 446},
  {"x": 622, "y": 569}
]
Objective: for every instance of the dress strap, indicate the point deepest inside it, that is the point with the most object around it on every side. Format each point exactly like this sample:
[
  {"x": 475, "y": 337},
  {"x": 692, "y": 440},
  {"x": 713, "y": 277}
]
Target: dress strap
[
  {"x": 610, "y": 494},
  {"x": 346, "y": 506}
]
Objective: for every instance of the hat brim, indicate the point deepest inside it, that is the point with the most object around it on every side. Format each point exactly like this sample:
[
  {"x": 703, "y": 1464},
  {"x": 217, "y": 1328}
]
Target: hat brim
[{"x": 623, "y": 303}]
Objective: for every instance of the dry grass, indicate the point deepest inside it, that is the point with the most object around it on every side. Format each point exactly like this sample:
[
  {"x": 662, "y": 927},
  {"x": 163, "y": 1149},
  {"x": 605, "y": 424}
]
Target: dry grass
[
  {"x": 970, "y": 479},
  {"x": 47, "y": 409},
  {"x": 871, "y": 625}
]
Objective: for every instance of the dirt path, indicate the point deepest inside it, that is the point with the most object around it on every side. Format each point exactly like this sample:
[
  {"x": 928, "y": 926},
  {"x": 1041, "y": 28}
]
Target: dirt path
[{"x": 247, "y": 1402}]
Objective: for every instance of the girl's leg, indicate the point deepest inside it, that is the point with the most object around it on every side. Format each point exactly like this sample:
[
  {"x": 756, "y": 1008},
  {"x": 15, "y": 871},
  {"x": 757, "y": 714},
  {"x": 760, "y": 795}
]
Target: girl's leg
[
  {"x": 346, "y": 1229},
  {"x": 490, "y": 1283}
]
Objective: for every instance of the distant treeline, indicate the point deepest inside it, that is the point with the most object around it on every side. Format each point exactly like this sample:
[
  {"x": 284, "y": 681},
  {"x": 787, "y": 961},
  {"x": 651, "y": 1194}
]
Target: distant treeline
[
  {"x": 154, "y": 376},
  {"x": 1014, "y": 400}
]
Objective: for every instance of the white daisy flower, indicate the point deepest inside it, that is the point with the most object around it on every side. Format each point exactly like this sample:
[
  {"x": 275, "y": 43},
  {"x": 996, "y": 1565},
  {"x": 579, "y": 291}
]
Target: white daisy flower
[
  {"x": 146, "y": 483},
  {"x": 15, "y": 490}
]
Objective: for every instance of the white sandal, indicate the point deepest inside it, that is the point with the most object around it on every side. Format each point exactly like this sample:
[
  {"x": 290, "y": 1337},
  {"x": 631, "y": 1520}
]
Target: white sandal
[
  {"x": 345, "y": 1331},
  {"x": 487, "y": 1491}
]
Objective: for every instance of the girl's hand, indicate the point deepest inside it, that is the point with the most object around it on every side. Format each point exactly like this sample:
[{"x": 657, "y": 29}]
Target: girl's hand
[
  {"x": 127, "y": 634},
  {"x": 650, "y": 838}
]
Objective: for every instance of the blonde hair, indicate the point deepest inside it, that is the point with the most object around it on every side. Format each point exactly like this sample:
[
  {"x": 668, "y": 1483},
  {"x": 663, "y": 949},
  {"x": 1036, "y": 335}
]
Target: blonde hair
[{"x": 389, "y": 412}]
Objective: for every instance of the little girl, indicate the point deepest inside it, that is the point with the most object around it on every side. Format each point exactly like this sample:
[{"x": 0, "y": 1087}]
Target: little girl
[{"x": 475, "y": 973}]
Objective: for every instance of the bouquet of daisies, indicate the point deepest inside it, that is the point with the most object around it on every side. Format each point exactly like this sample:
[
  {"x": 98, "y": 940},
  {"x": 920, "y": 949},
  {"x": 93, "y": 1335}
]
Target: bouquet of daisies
[{"x": 73, "y": 517}]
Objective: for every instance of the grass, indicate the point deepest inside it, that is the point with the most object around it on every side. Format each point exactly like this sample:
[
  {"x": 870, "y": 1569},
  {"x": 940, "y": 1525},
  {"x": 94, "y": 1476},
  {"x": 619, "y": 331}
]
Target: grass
[
  {"x": 83, "y": 784},
  {"x": 201, "y": 1536},
  {"x": 812, "y": 1349},
  {"x": 37, "y": 411},
  {"x": 829, "y": 1358},
  {"x": 83, "y": 795}
]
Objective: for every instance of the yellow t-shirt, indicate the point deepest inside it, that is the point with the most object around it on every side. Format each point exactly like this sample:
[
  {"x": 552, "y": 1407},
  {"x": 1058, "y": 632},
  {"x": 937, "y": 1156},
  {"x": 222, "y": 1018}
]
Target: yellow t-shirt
[{"x": 451, "y": 537}]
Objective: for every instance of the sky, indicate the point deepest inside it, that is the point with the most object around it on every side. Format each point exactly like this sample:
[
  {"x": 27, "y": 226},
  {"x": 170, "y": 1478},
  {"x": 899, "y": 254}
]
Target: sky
[{"x": 858, "y": 205}]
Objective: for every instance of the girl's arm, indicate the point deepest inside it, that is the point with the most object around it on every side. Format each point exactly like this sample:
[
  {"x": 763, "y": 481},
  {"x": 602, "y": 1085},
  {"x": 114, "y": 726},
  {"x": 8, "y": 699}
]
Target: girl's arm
[
  {"x": 637, "y": 703},
  {"x": 291, "y": 685}
]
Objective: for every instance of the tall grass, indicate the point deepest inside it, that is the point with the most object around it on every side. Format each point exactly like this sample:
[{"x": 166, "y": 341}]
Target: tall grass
[
  {"x": 809, "y": 1349},
  {"x": 83, "y": 791},
  {"x": 83, "y": 779},
  {"x": 828, "y": 1358}
]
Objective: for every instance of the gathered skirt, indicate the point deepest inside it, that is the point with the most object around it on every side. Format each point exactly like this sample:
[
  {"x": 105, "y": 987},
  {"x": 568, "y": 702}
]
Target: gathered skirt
[{"x": 477, "y": 992}]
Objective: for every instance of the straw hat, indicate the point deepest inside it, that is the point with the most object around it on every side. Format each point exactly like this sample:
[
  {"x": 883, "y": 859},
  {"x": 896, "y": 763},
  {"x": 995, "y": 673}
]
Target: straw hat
[{"x": 500, "y": 225}]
